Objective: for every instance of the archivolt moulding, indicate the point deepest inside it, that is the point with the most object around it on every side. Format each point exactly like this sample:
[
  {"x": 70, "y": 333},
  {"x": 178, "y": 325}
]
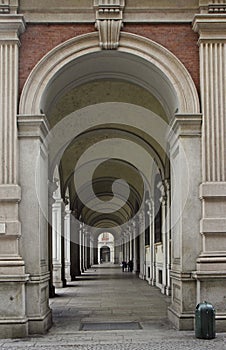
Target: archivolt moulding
[{"x": 167, "y": 66}]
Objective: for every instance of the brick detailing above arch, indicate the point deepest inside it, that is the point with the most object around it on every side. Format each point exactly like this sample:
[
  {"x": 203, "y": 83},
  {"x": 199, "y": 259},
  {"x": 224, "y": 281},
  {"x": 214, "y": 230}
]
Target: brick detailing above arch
[{"x": 39, "y": 39}]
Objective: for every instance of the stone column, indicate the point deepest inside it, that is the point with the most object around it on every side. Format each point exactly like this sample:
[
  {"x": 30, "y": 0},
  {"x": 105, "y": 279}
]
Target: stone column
[
  {"x": 91, "y": 251},
  {"x": 130, "y": 244},
  {"x": 52, "y": 186},
  {"x": 163, "y": 201},
  {"x": 142, "y": 245},
  {"x": 67, "y": 240},
  {"x": 185, "y": 158},
  {"x": 33, "y": 210},
  {"x": 13, "y": 319},
  {"x": 84, "y": 252},
  {"x": 151, "y": 214},
  {"x": 87, "y": 249},
  {"x": 99, "y": 256},
  {"x": 75, "y": 268},
  {"x": 211, "y": 264},
  {"x": 123, "y": 247},
  {"x": 58, "y": 233},
  {"x": 134, "y": 232},
  {"x": 81, "y": 257},
  {"x": 168, "y": 239}
]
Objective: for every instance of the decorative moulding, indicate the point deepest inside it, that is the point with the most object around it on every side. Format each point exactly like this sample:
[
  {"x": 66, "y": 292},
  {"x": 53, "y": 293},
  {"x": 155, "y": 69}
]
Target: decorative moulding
[
  {"x": 217, "y": 6},
  {"x": 109, "y": 22},
  {"x": 8, "y": 6}
]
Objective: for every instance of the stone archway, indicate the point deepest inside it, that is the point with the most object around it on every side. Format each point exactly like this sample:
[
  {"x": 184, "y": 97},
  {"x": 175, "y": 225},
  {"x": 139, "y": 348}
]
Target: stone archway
[{"x": 169, "y": 83}]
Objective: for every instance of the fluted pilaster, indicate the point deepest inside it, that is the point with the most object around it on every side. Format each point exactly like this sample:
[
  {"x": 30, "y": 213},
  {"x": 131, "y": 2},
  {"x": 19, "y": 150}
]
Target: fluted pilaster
[
  {"x": 10, "y": 28},
  {"x": 213, "y": 73},
  {"x": 212, "y": 31}
]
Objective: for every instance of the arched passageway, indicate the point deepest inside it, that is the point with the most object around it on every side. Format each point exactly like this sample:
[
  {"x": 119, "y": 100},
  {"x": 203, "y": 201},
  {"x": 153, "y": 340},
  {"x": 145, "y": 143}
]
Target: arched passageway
[{"x": 108, "y": 122}]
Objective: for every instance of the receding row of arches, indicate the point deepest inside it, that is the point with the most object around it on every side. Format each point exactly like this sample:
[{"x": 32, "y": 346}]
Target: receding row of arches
[{"x": 110, "y": 157}]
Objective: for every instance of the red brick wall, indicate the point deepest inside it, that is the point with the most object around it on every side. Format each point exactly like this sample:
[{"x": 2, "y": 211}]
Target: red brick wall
[
  {"x": 41, "y": 38},
  {"x": 38, "y": 39},
  {"x": 180, "y": 39}
]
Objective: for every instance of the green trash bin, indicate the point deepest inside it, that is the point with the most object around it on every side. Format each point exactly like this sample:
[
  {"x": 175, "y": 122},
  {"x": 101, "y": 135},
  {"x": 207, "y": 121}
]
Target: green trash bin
[{"x": 205, "y": 321}]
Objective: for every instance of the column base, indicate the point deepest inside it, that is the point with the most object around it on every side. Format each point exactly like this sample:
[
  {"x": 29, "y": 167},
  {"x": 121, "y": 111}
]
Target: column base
[
  {"x": 220, "y": 323},
  {"x": 163, "y": 289},
  {"x": 68, "y": 279},
  {"x": 57, "y": 275},
  {"x": 181, "y": 321},
  {"x": 13, "y": 328},
  {"x": 58, "y": 284},
  {"x": 40, "y": 325},
  {"x": 168, "y": 291},
  {"x": 141, "y": 276}
]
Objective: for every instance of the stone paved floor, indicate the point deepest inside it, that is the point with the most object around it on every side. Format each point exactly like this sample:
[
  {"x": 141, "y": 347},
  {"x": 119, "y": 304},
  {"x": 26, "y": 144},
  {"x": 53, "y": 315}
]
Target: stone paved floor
[{"x": 105, "y": 294}]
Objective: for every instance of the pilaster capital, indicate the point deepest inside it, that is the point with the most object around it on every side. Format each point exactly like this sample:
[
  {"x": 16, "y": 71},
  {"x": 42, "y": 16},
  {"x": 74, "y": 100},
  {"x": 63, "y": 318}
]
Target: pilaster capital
[
  {"x": 141, "y": 217},
  {"x": 150, "y": 204},
  {"x": 167, "y": 184},
  {"x": 109, "y": 17},
  {"x": 185, "y": 125},
  {"x": 52, "y": 187},
  {"x": 33, "y": 126},
  {"x": 11, "y": 27},
  {"x": 67, "y": 212},
  {"x": 162, "y": 187},
  {"x": 211, "y": 27}
]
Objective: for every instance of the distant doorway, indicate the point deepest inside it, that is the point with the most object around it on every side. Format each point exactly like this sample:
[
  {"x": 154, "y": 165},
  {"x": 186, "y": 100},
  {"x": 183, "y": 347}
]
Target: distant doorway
[
  {"x": 105, "y": 254},
  {"x": 106, "y": 248}
]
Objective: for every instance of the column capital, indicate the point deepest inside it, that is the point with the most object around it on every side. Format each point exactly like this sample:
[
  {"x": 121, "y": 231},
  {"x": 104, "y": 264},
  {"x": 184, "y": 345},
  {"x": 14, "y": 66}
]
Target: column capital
[
  {"x": 67, "y": 211},
  {"x": 150, "y": 203},
  {"x": 11, "y": 27},
  {"x": 211, "y": 27}
]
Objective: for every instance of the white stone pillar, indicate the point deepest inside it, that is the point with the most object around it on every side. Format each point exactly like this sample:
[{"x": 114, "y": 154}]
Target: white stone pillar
[
  {"x": 142, "y": 245},
  {"x": 33, "y": 210},
  {"x": 151, "y": 214},
  {"x": 134, "y": 232},
  {"x": 211, "y": 264},
  {"x": 163, "y": 201},
  {"x": 12, "y": 270},
  {"x": 67, "y": 240},
  {"x": 58, "y": 233},
  {"x": 130, "y": 245},
  {"x": 124, "y": 247},
  {"x": 168, "y": 239},
  {"x": 98, "y": 254},
  {"x": 185, "y": 158},
  {"x": 127, "y": 246},
  {"x": 81, "y": 248}
]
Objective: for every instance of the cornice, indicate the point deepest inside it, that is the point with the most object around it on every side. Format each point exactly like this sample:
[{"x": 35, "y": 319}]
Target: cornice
[{"x": 144, "y": 11}]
